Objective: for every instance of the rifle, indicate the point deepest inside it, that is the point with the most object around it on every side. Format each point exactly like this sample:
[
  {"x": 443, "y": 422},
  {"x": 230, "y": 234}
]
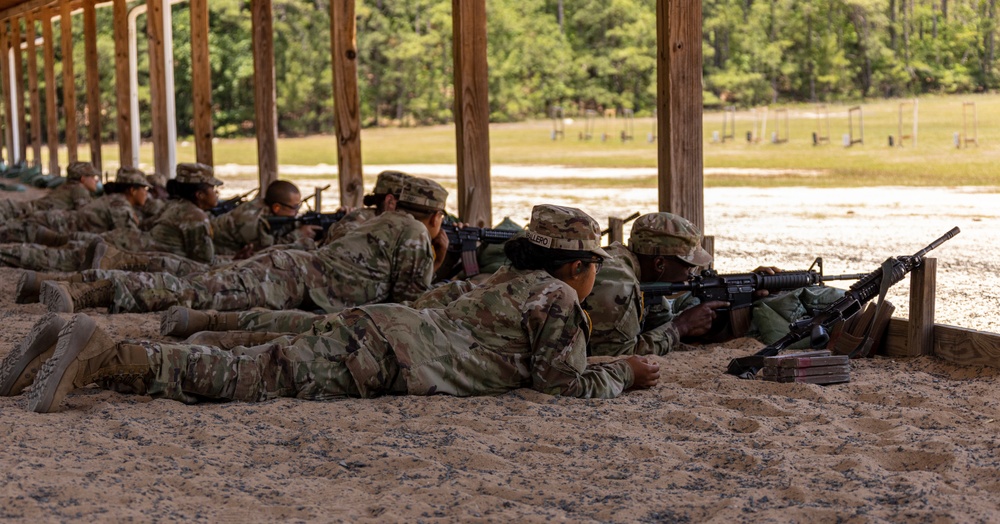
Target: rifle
[
  {"x": 817, "y": 327},
  {"x": 467, "y": 239},
  {"x": 311, "y": 218},
  {"x": 228, "y": 205},
  {"x": 739, "y": 289}
]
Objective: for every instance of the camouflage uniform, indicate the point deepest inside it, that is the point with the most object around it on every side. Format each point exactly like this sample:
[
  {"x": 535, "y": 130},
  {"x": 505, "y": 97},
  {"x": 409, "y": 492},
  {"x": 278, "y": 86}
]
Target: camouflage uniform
[
  {"x": 72, "y": 194},
  {"x": 67, "y": 258},
  {"x": 101, "y": 215},
  {"x": 247, "y": 225},
  {"x": 387, "y": 183},
  {"x": 389, "y": 259},
  {"x": 523, "y": 328}
]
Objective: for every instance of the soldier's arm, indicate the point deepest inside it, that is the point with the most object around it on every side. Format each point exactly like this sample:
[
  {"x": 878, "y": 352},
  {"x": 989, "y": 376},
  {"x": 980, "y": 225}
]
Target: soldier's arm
[
  {"x": 198, "y": 241},
  {"x": 413, "y": 266}
]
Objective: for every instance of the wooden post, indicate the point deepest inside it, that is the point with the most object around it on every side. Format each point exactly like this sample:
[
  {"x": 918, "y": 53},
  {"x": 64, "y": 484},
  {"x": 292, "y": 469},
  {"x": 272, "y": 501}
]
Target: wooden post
[
  {"x": 22, "y": 127},
  {"x": 616, "y": 230},
  {"x": 472, "y": 112},
  {"x": 93, "y": 83},
  {"x": 201, "y": 82},
  {"x": 122, "y": 86},
  {"x": 264, "y": 91},
  {"x": 33, "y": 96},
  {"x": 8, "y": 105},
  {"x": 921, "y": 325},
  {"x": 346, "y": 102},
  {"x": 678, "y": 104},
  {"x": 51, "y": 117},
  {"x": 158, "y": 86},
  {"x": 69, "y": 86}
]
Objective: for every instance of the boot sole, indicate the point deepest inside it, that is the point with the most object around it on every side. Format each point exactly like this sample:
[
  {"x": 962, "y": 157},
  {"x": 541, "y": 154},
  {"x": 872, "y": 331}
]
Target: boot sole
[
  {"x": 28, "y": 281},
  {"x": 73, "y": 338},
  {"x": 55, "y": 298},
  {"x": 175, "y": 322},
  {"x": 42, "y": 338}
]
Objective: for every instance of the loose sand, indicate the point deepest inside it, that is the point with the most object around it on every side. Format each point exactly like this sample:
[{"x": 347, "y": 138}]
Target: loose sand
[{"x": 905, "y": 441}]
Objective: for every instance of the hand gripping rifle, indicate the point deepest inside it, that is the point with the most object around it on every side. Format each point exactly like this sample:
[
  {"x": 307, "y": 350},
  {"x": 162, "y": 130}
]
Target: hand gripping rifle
[
  {"x": 311, "y": 218},
  {"x": 740, "y": 289},
  {"x": 467, "y": 239},
  {"x": 817, "y": 327}
]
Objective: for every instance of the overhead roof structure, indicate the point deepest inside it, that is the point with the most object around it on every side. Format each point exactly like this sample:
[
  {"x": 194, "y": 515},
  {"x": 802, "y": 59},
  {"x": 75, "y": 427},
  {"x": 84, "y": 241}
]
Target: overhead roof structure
[{"x": 679, "y": 92}]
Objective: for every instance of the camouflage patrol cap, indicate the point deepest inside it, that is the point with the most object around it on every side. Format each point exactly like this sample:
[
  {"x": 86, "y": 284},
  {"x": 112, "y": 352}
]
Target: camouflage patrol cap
[
  {"x": 156, "y": 180},
  {"x": 668, "y": 234},
  {"x": 558, "y": 227},
  {"x": 78, "y": 170},
  {"x": 196, "y": 173},
  {"x": 423, "y": 193},
  {"x": 131, "y": 176},
  {"x": 390, "y": 182}
]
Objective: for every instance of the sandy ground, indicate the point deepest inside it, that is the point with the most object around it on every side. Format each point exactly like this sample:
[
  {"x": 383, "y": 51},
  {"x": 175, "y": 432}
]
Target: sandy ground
[{"x": 905, "y": 441}]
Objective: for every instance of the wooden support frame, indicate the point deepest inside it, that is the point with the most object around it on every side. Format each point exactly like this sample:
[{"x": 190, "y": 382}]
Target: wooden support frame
[
  {"x": 201, "y": 83},
  {"x": 69, "y": 85},
  {"x": 123, "y": 90},
  {"x": 8, "y": 104},
  {"x": 265, "y": 97},
  {"x": 780, "y": 117},
  {"x": 822, "y": 133},
  {"x": 966, "y": 140},
  {"x": 34, "y": 97},
  {"x": 51, "y": 115},
  {"x": 158, "y": 87},
  {"x": 679, "y": 104},
  {"x": 22, "y": 126},
  {"x": 900, "y": 137},
  {"x": 728, "y": 124},
  {"x": 472, "y": 112},
  {"x": 93, "y": 84},
  {"x": 346, "y": 102},
  {"x": 849, "y": 139}
]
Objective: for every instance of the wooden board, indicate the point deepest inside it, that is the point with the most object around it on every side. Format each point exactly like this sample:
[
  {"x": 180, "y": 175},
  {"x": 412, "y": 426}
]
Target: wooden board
[
  {"x": 201, "y": 82},
  {"x": 954, "y": 344},
  {"x": 34, "y": 97},
  {"x": 265, "y": 98},
  {"x": 69, "y": 85},
  {"x": 346, "y": 102},
  {"x": 51, "y": 114},
  {"x": 93, "y": 84},
  {"x": 122, "y": 86},
  {"x": 472, "y": 112},
  {"x": 158, "y": 87},
  {"x": 22, "y": 126}
]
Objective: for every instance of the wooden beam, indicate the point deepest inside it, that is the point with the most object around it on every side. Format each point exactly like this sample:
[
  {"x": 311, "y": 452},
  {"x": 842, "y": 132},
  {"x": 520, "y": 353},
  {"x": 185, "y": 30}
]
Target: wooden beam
[
  {"x": 965, "y": 347},
  {"x": 93, "y": 84},
  {"x": 69, "y": 80},
  {"x": 34, "y": 98},
  {"x": 22, "y": 127},
  {"x": 24, "y": 7},
  {"x": 472, "y": 112},
  {"x": 346, "y": 102},
  {"x": 264, "y": 91},
  {"x": 8, "y": 105},
  {"x": 922, "y": 281},
  {"x": 158, "y": 86},
  {"x": 678, "y": 103},
  {"x": 201, "y": 82},
  {"x": 122, "y": 86},
  {"x": 51, "y": 117}
]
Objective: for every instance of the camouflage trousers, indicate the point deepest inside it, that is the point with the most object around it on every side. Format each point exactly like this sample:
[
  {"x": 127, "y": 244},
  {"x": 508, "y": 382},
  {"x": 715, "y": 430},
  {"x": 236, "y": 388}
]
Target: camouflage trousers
[
  {"x": 353, "y": 360},
  {"x": 10, "y": 209},
  {"x": 278, "y": 321},
  {"x": 37, "y": 257},
  {"x": 271, "y": 280}
]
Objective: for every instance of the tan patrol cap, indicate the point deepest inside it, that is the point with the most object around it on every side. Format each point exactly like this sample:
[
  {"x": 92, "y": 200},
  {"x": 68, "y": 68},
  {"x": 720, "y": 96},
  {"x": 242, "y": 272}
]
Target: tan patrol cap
[
  {"x": 668, "y": 234},
  {"x": 196, "y": 173},
  {"x": 390, "y": 182},
  {"x": 78, "y": 170},
  {"x": 423, "y": 193},
  {"x": 131, "y": 176},
  {"x": 558, "y": 227}
]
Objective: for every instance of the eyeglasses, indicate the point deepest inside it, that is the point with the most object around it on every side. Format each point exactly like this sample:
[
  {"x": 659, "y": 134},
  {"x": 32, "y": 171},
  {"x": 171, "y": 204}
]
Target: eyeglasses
[
  {"x": 599, "y": 262},
  {"x": 293, "y": 208}
]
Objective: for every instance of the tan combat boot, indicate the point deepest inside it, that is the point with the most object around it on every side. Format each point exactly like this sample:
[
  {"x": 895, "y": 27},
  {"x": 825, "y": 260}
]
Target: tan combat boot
[
  {"x": 19, "y": 367},
  {"x": 106, "y": 256},
  {"x": 67, "y": 297},
  {"x": 84, "y": 355},
  {"x": 181, "y": 321},
  {"x": 30, "y": 282}
]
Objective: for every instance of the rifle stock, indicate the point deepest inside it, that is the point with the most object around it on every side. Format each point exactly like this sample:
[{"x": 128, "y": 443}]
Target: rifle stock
[{"x": 818, "y": 326}]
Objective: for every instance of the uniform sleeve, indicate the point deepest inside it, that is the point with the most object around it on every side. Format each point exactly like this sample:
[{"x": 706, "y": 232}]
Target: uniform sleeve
[
  {"x": 80, "y": 197},
  {"x": 559, "y": 363},
  {"x": 658, "y": 341},
  {"x": 413, "y": 268},
  {"x": 197, "y": 236},
  {"x": 443, "y": 295},
  {"x": 123, "y": 216}
]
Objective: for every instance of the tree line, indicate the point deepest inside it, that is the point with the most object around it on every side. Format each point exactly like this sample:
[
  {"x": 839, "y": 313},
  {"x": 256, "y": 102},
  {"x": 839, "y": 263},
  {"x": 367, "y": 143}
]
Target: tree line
[{"x": 578, "y": 54}]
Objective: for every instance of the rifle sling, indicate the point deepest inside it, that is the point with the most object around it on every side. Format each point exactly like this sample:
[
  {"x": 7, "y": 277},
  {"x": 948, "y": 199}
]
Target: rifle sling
[{"x": 866, "y": 340}]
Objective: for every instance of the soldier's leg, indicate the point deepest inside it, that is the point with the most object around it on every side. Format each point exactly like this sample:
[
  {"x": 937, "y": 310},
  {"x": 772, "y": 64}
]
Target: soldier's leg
[
  {"x": 43, "y": 258},
  {"x": 180, "y": 321}
]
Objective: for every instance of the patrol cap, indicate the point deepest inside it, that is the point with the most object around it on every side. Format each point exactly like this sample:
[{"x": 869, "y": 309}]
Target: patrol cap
[
  {"x": 78, "y": 170},
  {"x": 423, "y": 193},
  {"x": 390, "y": 182},
  {"x": 668, "y": 234},
  {"x": 131, "y": 176},
  {"x": 558, "y": 227},
  {"x": 156, "y": 180},
  {"x": 196, "y": 173}
]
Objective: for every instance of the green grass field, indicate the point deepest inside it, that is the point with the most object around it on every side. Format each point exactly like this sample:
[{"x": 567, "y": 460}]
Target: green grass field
[{"x": 934, "y": 162}]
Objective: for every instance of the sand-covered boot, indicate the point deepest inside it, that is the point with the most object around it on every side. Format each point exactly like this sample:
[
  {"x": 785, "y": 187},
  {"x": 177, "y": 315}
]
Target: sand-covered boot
[
  {"x": 30, "y": 283},
  {"x": 19, "y": 367},
  {"x": 180, "y": 321},
  {"x": 106, "y": 256},
  {"x": 232, "y": 339},
  {"x": 85, "y": 354},
  {"x": 68, "y": 297}
]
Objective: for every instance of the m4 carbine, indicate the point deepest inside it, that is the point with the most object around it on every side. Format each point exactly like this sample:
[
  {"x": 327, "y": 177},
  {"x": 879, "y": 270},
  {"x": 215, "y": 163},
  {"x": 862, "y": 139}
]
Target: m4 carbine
[
  {"x": 740, "y": 289},
  {"x": 312, "y": 218},
  {"x": 817, "y": 327},
  {"x": 467, "y": 239},
  {"x": 228, "y": 205}
]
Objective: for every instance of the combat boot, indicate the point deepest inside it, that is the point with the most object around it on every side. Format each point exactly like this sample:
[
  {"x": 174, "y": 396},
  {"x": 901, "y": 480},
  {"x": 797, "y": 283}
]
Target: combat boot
[
  {"x": 106, "y": 256},
  {"x": 19, "y": 367},
  {"x": 229, "y": 340},
  {"x": 67, "y": 297},
  {"x": 48, "y": 237},
  {"x": 84, "y": 355},
  {"x": 30, "y": 283},
  {"x": 181, "y": 321}
]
